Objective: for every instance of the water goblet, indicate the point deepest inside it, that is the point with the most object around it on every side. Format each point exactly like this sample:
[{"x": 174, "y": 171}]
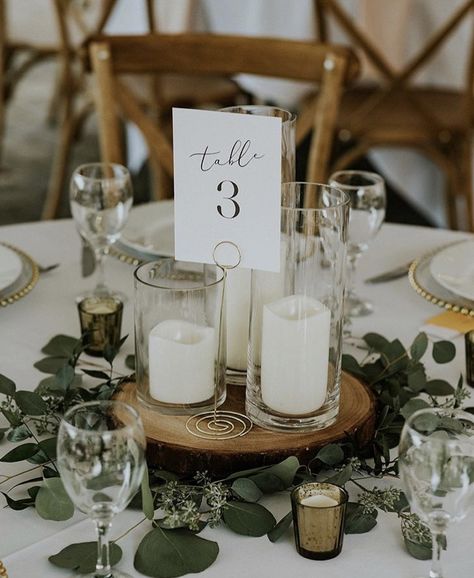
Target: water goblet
[
  {"x": 436, "y": 459},
  {"x": 101, "y": 196},
  {"x": 100, "y": 452},
  {"x": 367, "y": 194}
]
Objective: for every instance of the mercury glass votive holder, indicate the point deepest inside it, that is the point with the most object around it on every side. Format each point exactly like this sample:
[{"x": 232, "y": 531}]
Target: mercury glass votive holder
[
  {"x": 101, "y": 322},
  {"x": 294, "y": 364},
  {"x": 180, "y": 336},
  {"x": 318, "y": 519}
]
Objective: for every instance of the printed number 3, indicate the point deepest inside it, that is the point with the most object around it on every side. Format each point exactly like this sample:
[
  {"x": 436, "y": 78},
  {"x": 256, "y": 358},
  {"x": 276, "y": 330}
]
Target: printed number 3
[{"x": 236, "y": 205}]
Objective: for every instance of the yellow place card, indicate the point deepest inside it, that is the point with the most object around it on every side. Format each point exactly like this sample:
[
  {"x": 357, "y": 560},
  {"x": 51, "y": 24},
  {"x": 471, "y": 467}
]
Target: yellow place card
[{"x": 455, "y": 321}]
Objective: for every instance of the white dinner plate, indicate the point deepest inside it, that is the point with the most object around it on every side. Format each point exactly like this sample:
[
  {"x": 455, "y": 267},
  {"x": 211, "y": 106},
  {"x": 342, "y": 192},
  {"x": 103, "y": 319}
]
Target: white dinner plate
[
  {"x": 150, "y": 229},
  {"x": 11, "y": 267},
  {"x": 453, "y": 268}
]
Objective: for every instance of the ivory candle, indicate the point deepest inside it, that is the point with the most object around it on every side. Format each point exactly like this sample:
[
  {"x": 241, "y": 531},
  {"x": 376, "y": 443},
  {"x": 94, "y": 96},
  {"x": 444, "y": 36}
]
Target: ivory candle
[
  {"x": 237, "y": 317},
  {"x": 295, "y": 354},
  {"x": 181, "y": 362},
  {"x": 319, "y": 501}
]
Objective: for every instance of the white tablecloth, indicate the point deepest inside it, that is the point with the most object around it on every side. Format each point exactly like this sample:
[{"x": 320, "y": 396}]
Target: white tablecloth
[{"x": 26, "y": 540}]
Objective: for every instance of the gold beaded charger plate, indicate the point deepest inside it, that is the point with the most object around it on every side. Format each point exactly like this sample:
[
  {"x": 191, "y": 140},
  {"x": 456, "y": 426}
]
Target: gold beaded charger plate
[
  {"x": 148, "y": 234},
  {"x": 423, "y": 282},
  {"x": 170, "y": 446},
  {"x": 25, "y": 280}
]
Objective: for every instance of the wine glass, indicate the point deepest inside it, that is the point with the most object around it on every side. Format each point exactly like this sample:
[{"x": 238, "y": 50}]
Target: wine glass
[
  {"x": 101, "y": 448},
  {"x": 101, "y": 196},
  {"x": 436, "y": 459},
  {"x": 367, "y": 194}
]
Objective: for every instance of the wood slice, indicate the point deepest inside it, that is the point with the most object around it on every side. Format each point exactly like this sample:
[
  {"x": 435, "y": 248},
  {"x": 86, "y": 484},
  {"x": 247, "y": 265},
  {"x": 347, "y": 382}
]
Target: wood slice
[{"x": 172, "y": 447}]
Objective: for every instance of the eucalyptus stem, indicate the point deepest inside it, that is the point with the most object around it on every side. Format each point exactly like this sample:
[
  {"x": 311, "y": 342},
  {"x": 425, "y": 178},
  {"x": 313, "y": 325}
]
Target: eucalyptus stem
[
  {"x": 50, "y": 460},
  {"x": 8, "y": 478},
  {"x": 130, "y": 530}
]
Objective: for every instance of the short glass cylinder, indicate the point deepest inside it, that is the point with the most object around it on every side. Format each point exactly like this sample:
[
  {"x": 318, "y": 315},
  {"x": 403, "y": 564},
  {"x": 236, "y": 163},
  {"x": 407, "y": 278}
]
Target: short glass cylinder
[
  {"x": 294, "y": 365},
  {"x": 318, "y": 519},
  {"x": 101, "y": 322},
  {"x": 179, "y": 344}
]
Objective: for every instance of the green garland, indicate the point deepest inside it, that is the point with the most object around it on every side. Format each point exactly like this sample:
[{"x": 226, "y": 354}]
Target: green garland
[{"x": 396, "y": 376}]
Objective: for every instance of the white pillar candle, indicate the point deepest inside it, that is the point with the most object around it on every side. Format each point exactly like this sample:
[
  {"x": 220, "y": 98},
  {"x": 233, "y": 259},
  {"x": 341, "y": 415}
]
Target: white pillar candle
[
  {"x": 295, "y": 354},
  {"x": 181, "y": 362},
  {"x": 237, "y": 317},
  {"x": 319, "y": 501}
]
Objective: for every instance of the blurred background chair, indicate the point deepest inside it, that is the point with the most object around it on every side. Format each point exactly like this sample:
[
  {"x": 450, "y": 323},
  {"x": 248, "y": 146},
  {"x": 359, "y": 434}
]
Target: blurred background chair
[
  {"x": 330, "y": 67},
  {"x": 396, "y": 111}
]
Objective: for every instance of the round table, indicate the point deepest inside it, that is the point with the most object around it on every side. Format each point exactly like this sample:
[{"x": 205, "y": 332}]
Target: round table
[{"x": 27, "y": 540}]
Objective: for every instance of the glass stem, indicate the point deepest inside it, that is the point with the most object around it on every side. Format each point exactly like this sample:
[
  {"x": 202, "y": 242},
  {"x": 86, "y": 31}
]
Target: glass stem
[
  {"x": 438, "y": 543},
  {"x": 103, "y": 568},
  {"x": 100, "y": 254},
  {"x": 350, "y": 274}
]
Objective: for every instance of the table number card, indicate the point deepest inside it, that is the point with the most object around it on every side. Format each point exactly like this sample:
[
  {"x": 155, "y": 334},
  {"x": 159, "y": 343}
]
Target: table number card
[{"x": 227, "y": 186}]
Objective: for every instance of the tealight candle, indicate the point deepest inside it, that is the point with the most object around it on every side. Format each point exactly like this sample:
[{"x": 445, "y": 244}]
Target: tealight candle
[
  {"x": 295, "y": 354},
  {"x": 101, "y": 321},
  {"x": 318, "y": 519},
  {"x": 181, "y": 362}
]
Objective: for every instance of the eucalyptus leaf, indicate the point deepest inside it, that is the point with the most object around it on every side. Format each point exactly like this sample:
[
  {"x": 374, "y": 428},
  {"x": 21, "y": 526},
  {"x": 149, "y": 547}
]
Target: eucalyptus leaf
[
  {"x": 351, "y": 365},
  {"x": 417, "y": 380},
  {"x": 331, "y": 454},
  {"x": 439, "y": 387},
  {"x": 20, "y": 453},
  {"x": 443, "y": 351},
  {"x": 13, "y": 418},
  {"x": 171, "y": 553},
  {"x": 82, "y": 557},
  {"x": 413, "y": 405},
  {"x": 248, "y": 519},
  {"x": 147, "y": 497},
  {"x": 419, "y": 346},
  {"x": 419, "y": 550},
  {"x": 285, "y": 470},
  {"x": 61, "y": 346},
  {"x": 246, "y": 473},
  {"x": 96, "y": 374},
  {"x": 358, "y": 522},
  {"x": 48, "y": 446},
  {"x": 52, "y": 501},
  {"x": 247, "y": 489},
  {"x": 30, "y": 403},
  {"x": 280, "y": 529},
  {"x": 65, "y": 376},
  {"x": 19, "y": 433},
  {"x": 7, "y": 386},
  {"x": 267, "y": 482},
  {"x": 375, "y": 341},
  {"x": 342, "y": 477},
  {"x": 50, "y": 364}
]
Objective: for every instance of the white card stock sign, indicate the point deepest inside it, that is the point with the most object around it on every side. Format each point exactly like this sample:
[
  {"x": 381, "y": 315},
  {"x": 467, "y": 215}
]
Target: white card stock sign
[{"x": 227, "y": 186}]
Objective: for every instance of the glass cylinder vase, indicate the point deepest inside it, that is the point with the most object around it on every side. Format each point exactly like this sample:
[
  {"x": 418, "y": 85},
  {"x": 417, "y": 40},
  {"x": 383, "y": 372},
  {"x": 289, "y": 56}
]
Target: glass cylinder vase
[
  {"x": 238, "y": 280},
  {"x": 180, "y": 336},
  {"x": 294, "y": 366}
]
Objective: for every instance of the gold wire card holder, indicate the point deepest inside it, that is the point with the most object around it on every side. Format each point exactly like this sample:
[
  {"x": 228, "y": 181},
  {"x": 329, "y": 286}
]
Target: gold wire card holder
[{"x": 220, "y": 424}]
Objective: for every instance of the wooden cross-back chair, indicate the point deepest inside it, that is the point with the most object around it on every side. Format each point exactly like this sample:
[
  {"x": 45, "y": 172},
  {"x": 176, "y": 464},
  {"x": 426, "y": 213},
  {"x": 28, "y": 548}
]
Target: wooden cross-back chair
[
  {"x": 328, "y": 66},
  {"x": 398, "y": 113}
]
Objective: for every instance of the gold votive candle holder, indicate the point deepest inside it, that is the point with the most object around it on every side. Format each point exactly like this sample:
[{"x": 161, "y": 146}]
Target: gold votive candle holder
[
  {"x": 101, "y": 323},
  {"x": 318, "y": 519}
]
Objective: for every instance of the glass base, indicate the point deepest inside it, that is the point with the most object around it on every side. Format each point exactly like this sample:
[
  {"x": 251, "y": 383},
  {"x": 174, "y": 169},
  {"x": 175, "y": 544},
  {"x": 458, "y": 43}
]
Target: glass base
[
  {"x": 323, "y": 418},
  {"x": 236, "y": 377},
  {"x": 178, "y": 408},
  {"x": 114, "y": 574},
  {"x": 356, "y": 307}
]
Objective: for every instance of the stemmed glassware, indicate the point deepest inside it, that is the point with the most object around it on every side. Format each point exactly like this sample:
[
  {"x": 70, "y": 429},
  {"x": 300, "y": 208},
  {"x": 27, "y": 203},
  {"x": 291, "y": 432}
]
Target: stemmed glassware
[
  {"x": 101, "y": 196},
  {"x": 101, "y": 448},
  {"x": 367, "y": 194},
  {"x": 437, "y": 469}
]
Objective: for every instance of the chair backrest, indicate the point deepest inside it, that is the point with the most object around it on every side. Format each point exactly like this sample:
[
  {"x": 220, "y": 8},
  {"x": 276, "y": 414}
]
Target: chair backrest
[
  {"x": 393, "y": 78},
  {"x": 327, "y": 66}
]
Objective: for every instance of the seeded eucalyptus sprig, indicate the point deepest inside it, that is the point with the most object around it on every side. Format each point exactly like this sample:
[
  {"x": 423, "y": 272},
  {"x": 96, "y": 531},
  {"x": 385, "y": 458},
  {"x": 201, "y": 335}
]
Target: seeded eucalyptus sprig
[{"x": 177, "y": 509}]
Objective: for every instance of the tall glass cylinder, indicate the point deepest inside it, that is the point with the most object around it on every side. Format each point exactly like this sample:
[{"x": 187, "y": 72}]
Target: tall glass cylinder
[
  {"x": 180, "y": 336},
  {"x": 238, "y": 280},
  {"x": 294, "y": 366}
]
